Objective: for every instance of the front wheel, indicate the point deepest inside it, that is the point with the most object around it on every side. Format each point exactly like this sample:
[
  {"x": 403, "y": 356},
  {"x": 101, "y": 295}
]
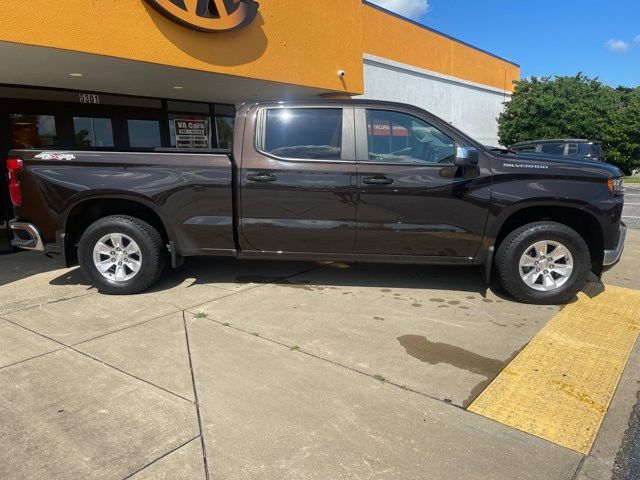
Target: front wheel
[
  {"x": 121, "y": 255},
  {"x": 543, "y": 263}
]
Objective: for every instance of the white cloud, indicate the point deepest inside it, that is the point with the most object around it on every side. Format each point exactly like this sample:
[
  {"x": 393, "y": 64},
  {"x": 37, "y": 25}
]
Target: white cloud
[
  {"x": 413, "y": 9},
  {"x": 637, "y": 39},
  {"x": 617, "y": 45}
]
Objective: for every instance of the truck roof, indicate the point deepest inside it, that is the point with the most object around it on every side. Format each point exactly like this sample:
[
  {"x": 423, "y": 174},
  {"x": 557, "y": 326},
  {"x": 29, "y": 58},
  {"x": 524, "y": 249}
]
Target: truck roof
[{"x": 555, "y": 140}]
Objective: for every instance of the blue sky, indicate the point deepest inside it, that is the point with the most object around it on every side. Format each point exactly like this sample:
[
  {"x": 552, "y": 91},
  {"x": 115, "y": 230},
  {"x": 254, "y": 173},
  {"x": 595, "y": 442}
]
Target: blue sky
[{"x": 561, "y": 37}]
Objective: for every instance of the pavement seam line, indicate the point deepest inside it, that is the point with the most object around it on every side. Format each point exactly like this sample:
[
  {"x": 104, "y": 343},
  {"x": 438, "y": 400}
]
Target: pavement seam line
[
  {"x": 142, "y": 322},
  {"x": 161, "y": 457},
  {"x": 195, "y": 395},
  {"x": 51, "y": 302},
  {"x": 130, "y": 374},
  {"x": 71, "y": 347},
  {"x": 126, "y": 327},
  {"x": 270, "y": 282},
  {"x": 31, "y": 358},
  {"x": 332, "y": 362},
  {"x": 178, "y": 309},
  {"x": 579, "y": 467}
]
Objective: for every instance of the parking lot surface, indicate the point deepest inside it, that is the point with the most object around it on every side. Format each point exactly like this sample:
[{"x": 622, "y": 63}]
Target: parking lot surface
[
  {"x": 631, "y": 213},
  {"x": 279, "y": 370}
]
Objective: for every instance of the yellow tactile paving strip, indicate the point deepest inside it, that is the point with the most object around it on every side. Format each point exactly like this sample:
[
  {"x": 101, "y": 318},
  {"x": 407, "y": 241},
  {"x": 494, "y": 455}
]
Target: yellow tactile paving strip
[{"x": 560, "y": 385}]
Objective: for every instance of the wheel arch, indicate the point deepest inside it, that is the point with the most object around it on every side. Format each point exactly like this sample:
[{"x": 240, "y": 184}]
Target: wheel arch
[
  {"x": 583, "y": 222},
  {"x": 86, "y": 211}
]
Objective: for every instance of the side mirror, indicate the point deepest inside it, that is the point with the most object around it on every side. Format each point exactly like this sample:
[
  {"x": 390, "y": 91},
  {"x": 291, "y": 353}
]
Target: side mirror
[{"x": 466, "y": 157}]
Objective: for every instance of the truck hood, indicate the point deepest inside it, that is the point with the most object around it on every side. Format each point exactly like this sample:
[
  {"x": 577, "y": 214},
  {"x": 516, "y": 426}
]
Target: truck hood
[{"x": 588, "y": 168}]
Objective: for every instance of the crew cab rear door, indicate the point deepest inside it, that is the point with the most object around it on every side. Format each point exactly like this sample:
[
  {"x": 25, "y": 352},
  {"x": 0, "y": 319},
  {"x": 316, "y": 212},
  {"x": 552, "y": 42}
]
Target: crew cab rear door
[
  {"x": 412, "y": 199},
  {"x": 298, "y": 180}
]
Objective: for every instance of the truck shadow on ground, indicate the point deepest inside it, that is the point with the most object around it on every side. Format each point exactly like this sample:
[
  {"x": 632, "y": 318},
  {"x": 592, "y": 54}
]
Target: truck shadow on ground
[
  {"x": 15, "y": 266},
  {"x": 223, "y": 272}
]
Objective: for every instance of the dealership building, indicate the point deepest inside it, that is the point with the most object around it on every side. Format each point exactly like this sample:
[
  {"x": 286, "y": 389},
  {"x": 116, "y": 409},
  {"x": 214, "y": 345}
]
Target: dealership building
[{"x": 144, "y": 74}]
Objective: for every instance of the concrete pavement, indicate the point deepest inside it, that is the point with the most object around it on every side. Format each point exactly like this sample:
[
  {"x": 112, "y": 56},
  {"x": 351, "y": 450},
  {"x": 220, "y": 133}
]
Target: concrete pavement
[{"x": 275, "y": 370}]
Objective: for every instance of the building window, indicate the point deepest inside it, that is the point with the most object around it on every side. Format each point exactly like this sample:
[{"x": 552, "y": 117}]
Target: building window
[
  {"x": 33, "y": 131},
  {"x": 144, "y": 133},
  {"x": 309, "y": 133},
  {"x": 396, "y": 137},
  {"x": 224, "y": 132},
  {"x": 92, "y": 132}
]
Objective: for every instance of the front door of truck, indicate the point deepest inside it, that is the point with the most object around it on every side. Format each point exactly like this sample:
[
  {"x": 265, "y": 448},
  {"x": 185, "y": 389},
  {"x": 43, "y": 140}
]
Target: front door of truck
[
  {"x": 412, "y": 200},
  {"x": 297, "y": 180}
]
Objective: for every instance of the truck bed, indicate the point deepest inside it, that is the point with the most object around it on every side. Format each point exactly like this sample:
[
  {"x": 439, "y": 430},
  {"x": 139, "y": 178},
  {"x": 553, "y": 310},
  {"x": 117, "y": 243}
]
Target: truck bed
[{"x": 191, "y": 192}]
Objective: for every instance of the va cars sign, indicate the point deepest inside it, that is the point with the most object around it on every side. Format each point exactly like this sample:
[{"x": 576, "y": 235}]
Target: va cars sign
[{"x": 208, "y": 15}]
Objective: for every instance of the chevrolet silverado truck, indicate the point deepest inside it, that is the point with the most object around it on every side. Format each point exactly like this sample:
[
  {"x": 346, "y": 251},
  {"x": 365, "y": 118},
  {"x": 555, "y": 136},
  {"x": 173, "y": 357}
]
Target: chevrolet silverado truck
[{"x": 348, "y": 180}]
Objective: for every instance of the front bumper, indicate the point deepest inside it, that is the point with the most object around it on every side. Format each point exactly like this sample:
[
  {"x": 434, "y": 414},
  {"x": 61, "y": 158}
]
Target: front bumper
[
  {"x": 612, "y": 256},
  {"x": 26, "y": 236}
]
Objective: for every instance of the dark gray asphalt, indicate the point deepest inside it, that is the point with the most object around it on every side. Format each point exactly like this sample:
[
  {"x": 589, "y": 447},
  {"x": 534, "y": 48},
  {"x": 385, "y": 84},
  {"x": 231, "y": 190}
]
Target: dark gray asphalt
[
  {"x": 631, "y": 212},
  {"x": 627, "y": 463}
]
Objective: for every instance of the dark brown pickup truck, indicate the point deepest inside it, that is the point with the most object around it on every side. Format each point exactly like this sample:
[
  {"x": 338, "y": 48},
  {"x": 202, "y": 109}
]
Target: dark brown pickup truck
[{"x": 332, "y": 180}]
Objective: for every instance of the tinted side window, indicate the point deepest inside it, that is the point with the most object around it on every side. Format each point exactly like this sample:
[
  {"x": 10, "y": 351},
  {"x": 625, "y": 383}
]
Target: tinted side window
[
  {"x": 553, "y": 148},
  {"x": 598, "y": 151},
  {"x": 311, "y": 133},
  {"x": 401, "y": 138},
  {"x": 525, "y": 148}
]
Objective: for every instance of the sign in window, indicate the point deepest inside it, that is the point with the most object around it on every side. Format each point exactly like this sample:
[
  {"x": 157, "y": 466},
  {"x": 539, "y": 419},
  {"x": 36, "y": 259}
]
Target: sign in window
[{"x": 190, "y": 131}]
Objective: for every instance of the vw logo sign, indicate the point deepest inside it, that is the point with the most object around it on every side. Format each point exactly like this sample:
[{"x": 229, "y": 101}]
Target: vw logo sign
[{"x": 208, "y": 15}]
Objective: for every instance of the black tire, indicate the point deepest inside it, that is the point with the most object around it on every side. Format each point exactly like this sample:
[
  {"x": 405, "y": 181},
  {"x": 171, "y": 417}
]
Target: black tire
[
  {"x": 512, "y": 248},
  {"x": 151, "y": 247}
]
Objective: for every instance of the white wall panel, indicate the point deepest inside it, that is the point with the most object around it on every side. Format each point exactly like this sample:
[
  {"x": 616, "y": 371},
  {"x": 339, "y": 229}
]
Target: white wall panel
[{"x": 470, "y": 107}]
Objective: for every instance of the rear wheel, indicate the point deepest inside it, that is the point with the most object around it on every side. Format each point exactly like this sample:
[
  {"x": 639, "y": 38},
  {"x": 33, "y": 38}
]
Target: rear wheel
[
  {"x": 121, "y": 254},
  {"x": 543, "y": 263}
]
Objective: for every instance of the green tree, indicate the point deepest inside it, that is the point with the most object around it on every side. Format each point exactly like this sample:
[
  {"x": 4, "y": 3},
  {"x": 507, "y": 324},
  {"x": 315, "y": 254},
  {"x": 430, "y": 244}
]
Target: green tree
[{"x": 575, "y": 107}]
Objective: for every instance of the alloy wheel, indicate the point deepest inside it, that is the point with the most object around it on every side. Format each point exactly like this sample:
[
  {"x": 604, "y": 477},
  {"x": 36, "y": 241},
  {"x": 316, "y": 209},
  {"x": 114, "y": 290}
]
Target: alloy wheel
[
  {"x": 117, "y": 257},
  {"x": 546, "y": 265}
]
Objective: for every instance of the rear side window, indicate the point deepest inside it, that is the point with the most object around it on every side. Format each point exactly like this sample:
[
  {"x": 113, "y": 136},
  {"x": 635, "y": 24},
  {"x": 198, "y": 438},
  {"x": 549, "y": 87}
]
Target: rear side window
[
  {"x": 306, "y": 133},
  {"x": 525, "y": 148},
  {"x": 553, "y": 148}
]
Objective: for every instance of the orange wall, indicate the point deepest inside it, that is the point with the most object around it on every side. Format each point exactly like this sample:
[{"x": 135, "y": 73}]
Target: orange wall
[
  {"x": 292, "y": 41},
  {"x": 391, "y": 37}
]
